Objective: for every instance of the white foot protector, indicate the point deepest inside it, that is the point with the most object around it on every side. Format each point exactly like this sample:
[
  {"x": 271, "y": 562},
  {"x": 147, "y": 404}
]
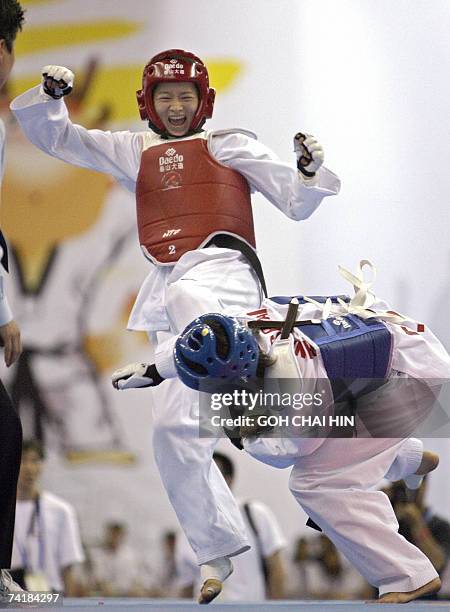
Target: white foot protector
[
  {"x": 213, "y": 575},
  {"x": 413, "y": 481},
  {"x": 217, "y": 569}
]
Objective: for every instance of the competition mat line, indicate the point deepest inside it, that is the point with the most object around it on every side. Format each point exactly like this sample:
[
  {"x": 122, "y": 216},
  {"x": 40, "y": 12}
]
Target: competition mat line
[{"x": 175, "y": 605}]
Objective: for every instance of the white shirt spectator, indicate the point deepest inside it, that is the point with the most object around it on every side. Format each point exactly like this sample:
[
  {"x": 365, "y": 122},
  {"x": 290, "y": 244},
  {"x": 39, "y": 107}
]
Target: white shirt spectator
[
  {"x": 119, "y": 570},
  {"x": 246, "y": 583},
  {"x": 48, "y": 540},
  {"x": 445, "y": 579},
  {"x": 349, "y": 584}
]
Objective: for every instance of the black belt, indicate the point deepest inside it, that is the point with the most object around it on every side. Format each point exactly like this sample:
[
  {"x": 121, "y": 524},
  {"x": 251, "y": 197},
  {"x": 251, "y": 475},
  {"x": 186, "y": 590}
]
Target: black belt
[
  {"x": 225, "y": 241},
  {"x": 3, "y": 245}
]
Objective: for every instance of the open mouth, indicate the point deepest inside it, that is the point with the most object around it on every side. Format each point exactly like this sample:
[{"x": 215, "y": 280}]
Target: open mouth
[{"x": 177, "y": 121}]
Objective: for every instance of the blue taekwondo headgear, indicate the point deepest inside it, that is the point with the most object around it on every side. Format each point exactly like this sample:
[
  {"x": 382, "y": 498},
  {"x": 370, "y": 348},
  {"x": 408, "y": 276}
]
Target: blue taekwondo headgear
[{"x": 198, "y": 356}]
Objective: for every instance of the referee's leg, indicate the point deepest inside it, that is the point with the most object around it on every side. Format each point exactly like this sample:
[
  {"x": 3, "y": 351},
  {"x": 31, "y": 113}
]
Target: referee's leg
[{"x": 10, "y": 456}]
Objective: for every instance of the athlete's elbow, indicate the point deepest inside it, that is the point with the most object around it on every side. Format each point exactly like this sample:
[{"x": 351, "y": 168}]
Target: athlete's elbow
[{"x": 299, "y": 213}]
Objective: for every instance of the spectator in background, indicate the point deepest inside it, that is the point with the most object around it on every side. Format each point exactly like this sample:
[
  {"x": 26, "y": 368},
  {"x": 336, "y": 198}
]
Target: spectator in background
[
  {"x": 167, "y": 575},
  {"x": 419, "y": 525},
  {"x": 336, "y": 578},
  {"x": 118, "y": 570},
  {"x": 323, "y": 574},
  {"x": 47, "y": 541},
  {"x": 83, "y": 576},
  {"x": 304, "y": 569},
  {"x": 258, "y": 573}
]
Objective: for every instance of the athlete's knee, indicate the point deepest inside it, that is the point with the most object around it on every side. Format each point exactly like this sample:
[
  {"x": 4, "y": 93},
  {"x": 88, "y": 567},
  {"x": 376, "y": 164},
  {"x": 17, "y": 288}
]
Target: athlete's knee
[
  {"x": 294, "y": 485},
  {"x": 161, "y": 434},
  {"x": 177, "y": 291},
  {"x": 180, "y": 299},
  {"x": 187, "y": 299}
]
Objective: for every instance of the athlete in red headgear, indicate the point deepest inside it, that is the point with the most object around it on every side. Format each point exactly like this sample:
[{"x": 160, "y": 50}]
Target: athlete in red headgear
[
  {"x": 195, "y": 226},
  {"x": 169, "y": 68}
]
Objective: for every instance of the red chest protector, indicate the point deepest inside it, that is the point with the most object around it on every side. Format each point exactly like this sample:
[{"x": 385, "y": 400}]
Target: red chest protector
[{"x": 184, "y": 197}]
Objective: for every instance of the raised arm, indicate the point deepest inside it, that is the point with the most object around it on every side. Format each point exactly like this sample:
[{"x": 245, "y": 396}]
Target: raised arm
[
  {"x": 296, "y": 191},
  {"x": 43, "y": 117}
]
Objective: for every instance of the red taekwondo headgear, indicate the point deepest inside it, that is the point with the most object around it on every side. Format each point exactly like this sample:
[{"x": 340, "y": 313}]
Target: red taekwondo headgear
[{"x": 173, "y": 66}]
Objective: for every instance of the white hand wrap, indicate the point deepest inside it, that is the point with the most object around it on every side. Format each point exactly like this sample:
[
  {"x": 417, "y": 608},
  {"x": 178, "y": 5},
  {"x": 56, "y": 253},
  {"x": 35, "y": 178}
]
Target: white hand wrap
[
  {"x": 135, "y": 376},
  {"x": 57, "y": 81},
  {"x": 309, "y": 153}
]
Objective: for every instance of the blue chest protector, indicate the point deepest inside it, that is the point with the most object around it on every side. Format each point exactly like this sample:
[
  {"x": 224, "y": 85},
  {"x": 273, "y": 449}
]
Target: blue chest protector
[{"x": 351, "y": 347}]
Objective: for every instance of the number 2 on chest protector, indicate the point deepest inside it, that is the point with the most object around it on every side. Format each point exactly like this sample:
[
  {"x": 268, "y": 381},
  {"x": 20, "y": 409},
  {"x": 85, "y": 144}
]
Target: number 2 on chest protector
[{"x": 172, "y": 249}]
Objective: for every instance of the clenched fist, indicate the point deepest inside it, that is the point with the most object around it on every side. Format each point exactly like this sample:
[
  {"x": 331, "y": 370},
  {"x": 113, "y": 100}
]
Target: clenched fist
[
  {"x": 136, "y": 376},
  {"x": 10, "y": 339},
  {"x": 309, "y": 153},
  {"x": 57, "y": 81}
]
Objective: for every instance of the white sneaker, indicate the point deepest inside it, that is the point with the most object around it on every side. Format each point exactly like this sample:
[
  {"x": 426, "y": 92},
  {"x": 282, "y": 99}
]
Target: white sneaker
[{"x": 413, "y": 482}]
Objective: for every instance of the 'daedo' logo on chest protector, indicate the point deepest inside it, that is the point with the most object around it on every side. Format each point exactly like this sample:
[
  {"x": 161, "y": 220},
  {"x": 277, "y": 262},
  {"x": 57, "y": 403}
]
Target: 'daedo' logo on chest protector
[{"x": 170, "y": 165}]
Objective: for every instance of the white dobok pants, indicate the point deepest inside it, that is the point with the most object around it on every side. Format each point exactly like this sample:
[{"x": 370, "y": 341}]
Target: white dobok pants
[
  {"x": 197, "y": 491},
  {"x": 334, "y": 486}
]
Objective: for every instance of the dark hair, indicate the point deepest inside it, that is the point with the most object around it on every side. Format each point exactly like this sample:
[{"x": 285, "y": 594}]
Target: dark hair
[
  {"x": 11, "y": 20},
  {"x": 225, "y": 465},
  {"x": 33, "y": 445}
]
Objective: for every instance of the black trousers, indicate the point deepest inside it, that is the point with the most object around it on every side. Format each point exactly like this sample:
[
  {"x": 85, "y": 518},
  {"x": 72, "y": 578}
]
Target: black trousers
[{"x": 10, "y": 457}]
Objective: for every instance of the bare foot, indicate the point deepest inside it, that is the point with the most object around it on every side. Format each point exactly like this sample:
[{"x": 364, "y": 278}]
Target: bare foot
[
  {"x": 214, "y": 573},
  {"x": 426, "y": 589},
  {"x": 209, "y": 591},
  {"x": 429, "y": 462}
]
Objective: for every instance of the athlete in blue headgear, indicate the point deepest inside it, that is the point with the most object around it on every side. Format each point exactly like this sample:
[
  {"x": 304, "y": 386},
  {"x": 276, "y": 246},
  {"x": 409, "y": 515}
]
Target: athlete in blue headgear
[{"x": 333, "y": 479}]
